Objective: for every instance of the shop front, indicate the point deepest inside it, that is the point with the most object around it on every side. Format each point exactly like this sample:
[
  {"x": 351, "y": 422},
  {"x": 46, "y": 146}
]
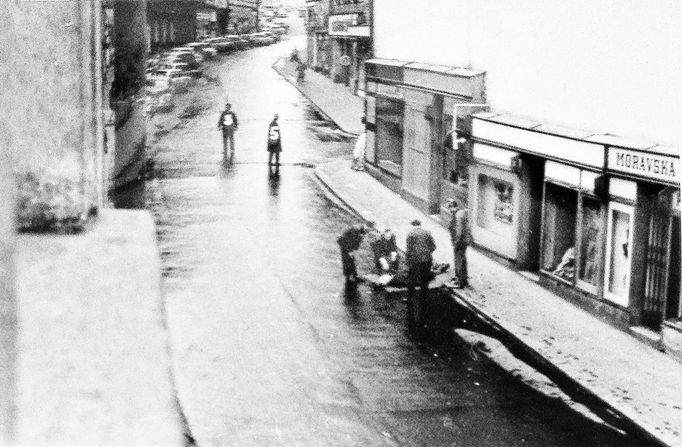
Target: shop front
[
  {"x": 350, "y": 34},
  {"x": 409, "y": 109},
  {"x": 643, "y": 244},
  {"x": 540, "y": 201},
  {"x": 494, "y": 199},
  {"x": 598, "y": 222}
]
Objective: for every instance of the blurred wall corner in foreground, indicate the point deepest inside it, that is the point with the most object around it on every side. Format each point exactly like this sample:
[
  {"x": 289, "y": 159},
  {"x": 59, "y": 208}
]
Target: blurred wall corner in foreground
[
  {"x": 53, "y": 112},
  {"x": 8, "y": 307}
]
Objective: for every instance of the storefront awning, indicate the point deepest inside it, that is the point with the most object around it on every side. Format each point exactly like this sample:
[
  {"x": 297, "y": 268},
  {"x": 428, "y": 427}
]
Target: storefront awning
[
  {"x": 494, "y": 156},
  {"x": 532, "y": 137}
]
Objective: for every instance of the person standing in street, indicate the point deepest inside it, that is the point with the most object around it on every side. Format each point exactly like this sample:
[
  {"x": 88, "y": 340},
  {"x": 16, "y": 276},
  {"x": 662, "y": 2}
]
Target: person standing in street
[
  {"x": 228, "y": 124},
  {"x": 274, "y": 143},
  {"x": 419, "y": 258},
  {"x": 460, "y": 235},
  {"x": 349, "y": 242}
]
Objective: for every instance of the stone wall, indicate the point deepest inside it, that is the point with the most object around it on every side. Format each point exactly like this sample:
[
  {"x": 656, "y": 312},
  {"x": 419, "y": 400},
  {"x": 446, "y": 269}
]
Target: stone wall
[{"x": 52, "y": 110}]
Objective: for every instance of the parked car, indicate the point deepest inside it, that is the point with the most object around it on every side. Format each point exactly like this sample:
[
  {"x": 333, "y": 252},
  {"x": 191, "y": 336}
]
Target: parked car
[
  {"x": 238, "y": 42},
  {"x": 185, "y": 69},
  {"x": 250, "y": 39},
  {"x": 275, "y": 32},
  {"x": 282, "y": 25},
  {"x": 187, "y": 57},
  {"x": 159, "y": 103},
  {"x": 153, "y": 60},
  {"x": 263, "y": 38},
  {"x": 221, "y": 44},
  {"x": 179, "y": 82},
  {"x": 208, "y": 51},
  {"x": 198, "y": 54}
]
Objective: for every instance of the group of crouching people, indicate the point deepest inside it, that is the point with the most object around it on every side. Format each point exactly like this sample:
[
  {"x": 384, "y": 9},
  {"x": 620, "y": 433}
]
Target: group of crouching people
[{"x": 418, "y": 268}]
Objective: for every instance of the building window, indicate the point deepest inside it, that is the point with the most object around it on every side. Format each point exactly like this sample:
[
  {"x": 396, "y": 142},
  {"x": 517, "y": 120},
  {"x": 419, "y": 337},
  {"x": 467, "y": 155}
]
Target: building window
[
  {"x": 558, "y": 252},
  {"x": 590, "y": 244},
  {"x": 619, "y": 247},
  {"x": 164, "y": 32},
  {"x": 495, "y": 205},
  {"x": 389, "y": 124}
]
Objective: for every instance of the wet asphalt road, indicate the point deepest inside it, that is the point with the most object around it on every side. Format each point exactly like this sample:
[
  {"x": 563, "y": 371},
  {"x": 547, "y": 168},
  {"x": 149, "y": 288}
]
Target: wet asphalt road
[{"x": 268, "y": 347}]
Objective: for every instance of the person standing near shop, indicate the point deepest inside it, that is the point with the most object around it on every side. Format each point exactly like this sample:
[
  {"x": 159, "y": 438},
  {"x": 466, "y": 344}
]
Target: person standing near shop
[
  {"x": 460, "y": 235},
  {"x": 419, "y": 258},
  {"x": 228, "y": 124},
  {"x": 274, "y": 143},
  {"x": 359, "y": 150}
]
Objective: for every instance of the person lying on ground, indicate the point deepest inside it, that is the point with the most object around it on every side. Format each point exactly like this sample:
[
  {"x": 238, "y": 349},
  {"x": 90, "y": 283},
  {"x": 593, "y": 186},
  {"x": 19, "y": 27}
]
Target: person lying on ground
[{"x": 385, "y": 250}]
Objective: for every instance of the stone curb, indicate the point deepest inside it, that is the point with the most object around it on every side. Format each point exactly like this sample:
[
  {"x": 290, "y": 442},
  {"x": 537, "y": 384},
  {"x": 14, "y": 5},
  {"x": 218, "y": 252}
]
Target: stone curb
[{"x": 527, "y": 354}]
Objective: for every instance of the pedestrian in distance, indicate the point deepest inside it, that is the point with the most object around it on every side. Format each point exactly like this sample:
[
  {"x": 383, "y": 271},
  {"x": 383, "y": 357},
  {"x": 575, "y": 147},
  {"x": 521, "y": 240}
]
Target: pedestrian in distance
[
  {"x": 274, "y": 143},
  {"x": 349, "y": 242},
  {"x": 228, "y": 123},
  {"x": 419, "y": 258},
  {"x": 300, "y": 72},
  {"x": 460, "y": 236},
  {"x": 294, "y": 56}
]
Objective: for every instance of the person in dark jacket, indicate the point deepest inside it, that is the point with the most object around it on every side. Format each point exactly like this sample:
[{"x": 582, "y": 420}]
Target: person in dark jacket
[
  {"x": 419, "y": 257},
  {"x": 349, "y": 241},
  {"x": 228, "y": 123},
  {"x": 460, "y": 235},
  {"x": 274, "y": 143}
]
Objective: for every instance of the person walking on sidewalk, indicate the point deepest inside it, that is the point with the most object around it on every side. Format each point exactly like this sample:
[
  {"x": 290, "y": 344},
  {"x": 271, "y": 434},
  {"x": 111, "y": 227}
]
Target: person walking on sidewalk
[
  {"x": 349, "y": 242},
  {"x": 300, "y": 72},
  {"x": 419, "y": 258},
  {"x": 274, "y": 143},
  {"x": 460, "y": 235},
  {"x": 228, "y": 124}
]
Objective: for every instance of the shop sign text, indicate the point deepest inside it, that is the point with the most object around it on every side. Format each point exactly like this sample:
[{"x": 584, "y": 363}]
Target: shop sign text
[
  {"x": 643, "y": 164},
  {"x": 347, "y": 25}
]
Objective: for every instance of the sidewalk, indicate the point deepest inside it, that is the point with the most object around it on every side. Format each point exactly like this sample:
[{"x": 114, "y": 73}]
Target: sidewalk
[
  {"x": 334, "y": 101},
  {"x": 610, "y": 370}
]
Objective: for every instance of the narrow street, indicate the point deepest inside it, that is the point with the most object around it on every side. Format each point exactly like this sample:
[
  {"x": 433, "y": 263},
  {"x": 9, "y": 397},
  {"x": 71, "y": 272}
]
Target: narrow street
[{"x": 268, "y": 347}]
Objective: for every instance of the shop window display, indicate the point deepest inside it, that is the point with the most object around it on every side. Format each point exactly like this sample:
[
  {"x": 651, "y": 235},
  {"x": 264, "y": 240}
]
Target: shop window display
[
  {"x": 558, "y": 253},
  {"x": 618, "y": 278},
  {"x": 389, "y": 124},
  {"x": 591, "y": 243},
  {"x": 495, "y": 205}
]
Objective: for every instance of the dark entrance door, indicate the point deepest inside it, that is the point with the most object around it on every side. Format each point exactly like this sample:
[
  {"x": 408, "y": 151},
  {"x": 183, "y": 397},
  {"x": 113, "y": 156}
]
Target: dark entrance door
[{"x": 658, "y": 271}]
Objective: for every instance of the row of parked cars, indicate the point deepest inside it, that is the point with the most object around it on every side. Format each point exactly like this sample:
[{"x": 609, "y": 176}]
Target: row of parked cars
[{"x": 175, "y": 70}]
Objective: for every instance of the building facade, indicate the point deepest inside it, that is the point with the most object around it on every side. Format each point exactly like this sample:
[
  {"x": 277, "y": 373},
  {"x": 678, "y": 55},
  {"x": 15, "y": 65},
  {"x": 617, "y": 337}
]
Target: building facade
[
  {"x": 349, "y": 32},
  {"x": 510, "y": 111},
  {"x": 317, "y": 38},
  {"x": 172, "y": 23},
  {"x": 243, "y": 16}
]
